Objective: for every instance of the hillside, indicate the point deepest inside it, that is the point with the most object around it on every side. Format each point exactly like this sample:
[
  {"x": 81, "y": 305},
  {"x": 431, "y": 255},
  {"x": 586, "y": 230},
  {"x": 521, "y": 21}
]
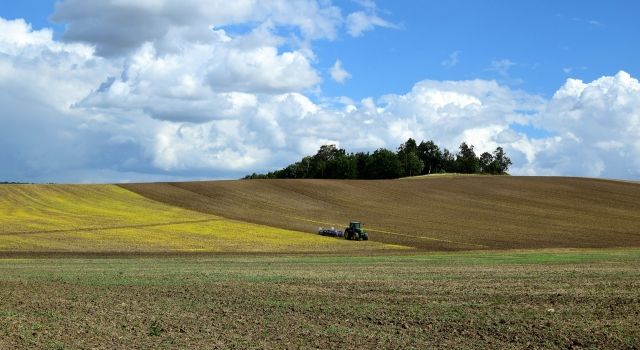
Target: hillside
[
  {"x": 432, "y": 213},
  {"x": 107, "y": 218}
]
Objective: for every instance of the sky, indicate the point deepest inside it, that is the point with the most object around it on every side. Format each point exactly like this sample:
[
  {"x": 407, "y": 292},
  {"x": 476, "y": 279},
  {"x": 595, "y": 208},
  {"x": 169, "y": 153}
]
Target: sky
[{"x": 163, "y": 90}]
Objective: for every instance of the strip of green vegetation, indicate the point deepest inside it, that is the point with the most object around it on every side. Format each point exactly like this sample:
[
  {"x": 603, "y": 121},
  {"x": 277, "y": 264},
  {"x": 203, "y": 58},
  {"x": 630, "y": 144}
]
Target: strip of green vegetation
[
  {"x": 564, "y": 256},
  {"x": 177, "y": 271}
]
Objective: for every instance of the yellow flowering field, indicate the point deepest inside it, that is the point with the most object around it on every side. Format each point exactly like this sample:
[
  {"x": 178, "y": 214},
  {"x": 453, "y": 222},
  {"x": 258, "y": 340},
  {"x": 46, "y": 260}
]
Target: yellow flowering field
[{"x": 108, "y": 218}]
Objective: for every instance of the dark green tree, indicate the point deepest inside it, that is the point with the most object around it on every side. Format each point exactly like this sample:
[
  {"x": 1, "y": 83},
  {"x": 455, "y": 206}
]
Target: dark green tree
[
  {"x": 408, "y": 155},
  {"x": 362, "y": 159},
  {"x": 502, "y": 162},
  {"x": 431, "y": 156},
  {"x": 448, "y": 162},
  {"x": 323, "y": 162},
  {"x": 331, "y": 162},
  {"x": 384, "y": 164},
  {"x": 486, "y": 163},
  {"x": 466, "y": 160},
  {"x": 342, "y": 166}
]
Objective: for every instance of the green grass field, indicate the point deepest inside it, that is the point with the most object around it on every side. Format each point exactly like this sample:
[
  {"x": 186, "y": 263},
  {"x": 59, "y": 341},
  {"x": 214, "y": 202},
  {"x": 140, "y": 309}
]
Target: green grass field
[{"x": 515, "y": 300}]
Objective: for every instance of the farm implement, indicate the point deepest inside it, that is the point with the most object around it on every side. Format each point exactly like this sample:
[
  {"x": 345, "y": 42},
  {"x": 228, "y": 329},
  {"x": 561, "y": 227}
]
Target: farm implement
[
  {"x": 330, "y": 232},
  {"x": 355, "y": 232}
]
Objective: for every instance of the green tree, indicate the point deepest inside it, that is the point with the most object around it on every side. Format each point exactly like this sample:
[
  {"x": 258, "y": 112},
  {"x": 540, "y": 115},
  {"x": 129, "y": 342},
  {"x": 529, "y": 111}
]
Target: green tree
[
  {"x": 412, "y": 164},
  {"x": 486, "y": 163},
  {"x": 324, "y": 160},
  {"x": 502, "y": 162},
  {"x": 411, "y": 159},
  {"x": 408, "y": 155},
  {"x": 448, "y": 162},
  {"x": 342, "y": 167},
  {"x": 384, "y": 164},
  {"x": 431, "y": 156},
  {"x": 362, "y": 159},
  {"x": 466, "y": 160}
]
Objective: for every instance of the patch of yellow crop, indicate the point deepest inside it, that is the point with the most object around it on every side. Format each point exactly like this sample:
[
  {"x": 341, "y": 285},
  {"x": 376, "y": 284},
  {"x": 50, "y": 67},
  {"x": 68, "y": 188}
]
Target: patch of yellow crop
[
  {"x": 102, "y": 218},
  {"x": 28, "y": 208}
]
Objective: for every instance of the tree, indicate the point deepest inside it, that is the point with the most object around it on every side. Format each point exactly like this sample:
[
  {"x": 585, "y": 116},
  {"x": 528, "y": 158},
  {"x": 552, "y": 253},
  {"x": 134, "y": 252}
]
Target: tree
[
  {"x": 408, "y": 155},
  {"x": 486, "y": 163},
  {"x": 362, "y": 159},
  {"x": 466, "y": 160},
  {"x": 411, "y": 159},
  {"x": 412, "y": 165},
  {"x": 409, "y": 146},
  {"x": 502, "y": 162},
  {"x": 323, "y": 159},
  {"x": 343, "y": 167},
  {"x": 431, "y": 156},
  {"x": 384, "y": 164},
  {"x": 448, "y": 162}
]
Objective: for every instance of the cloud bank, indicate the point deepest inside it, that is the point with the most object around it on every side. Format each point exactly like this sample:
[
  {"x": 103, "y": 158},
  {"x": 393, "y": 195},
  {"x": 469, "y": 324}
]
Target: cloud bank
[{"x": 190, "y": 96}]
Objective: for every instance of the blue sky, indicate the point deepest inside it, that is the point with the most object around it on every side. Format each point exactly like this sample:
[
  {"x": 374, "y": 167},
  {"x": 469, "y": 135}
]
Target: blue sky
[
  {"x": 495, "y": 73},
  {"x": 545, "y": 42},
  {"x": 541, "y": 39}
]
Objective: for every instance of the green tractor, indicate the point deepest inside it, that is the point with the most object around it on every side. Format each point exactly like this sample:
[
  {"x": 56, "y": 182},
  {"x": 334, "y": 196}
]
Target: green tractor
[{"x": 356, "y": 232}]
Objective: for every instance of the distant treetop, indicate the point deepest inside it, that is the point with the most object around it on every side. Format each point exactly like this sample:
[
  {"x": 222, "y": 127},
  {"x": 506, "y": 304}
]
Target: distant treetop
[{"x": 410, "y": 159}]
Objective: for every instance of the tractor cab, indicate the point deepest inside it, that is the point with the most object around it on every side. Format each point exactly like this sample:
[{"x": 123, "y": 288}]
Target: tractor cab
[
  {"x": 356, "y": 231},
  {"x": 355, "y": 225}
]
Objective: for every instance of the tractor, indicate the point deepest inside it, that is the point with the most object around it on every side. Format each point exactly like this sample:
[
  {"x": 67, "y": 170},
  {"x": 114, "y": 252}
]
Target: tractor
[{"x": 356, "y": 232}]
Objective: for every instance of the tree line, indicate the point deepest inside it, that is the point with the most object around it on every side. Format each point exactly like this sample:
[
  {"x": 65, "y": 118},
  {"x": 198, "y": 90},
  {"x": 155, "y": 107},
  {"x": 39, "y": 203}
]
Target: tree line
[{"x": 410, "y": 159}]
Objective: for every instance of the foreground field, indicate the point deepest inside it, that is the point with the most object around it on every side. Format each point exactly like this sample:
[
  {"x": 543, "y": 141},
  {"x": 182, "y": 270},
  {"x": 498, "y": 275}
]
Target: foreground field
[
  {"x": 541, "y": 299},
  {"x": 432, "y": 213},
  {"x": 107, "y": 218}
]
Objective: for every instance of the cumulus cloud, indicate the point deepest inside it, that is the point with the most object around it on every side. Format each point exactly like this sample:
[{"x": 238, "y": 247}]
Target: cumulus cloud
[
  {"x": 223, "y": 105},
  {"x": 338, "y": 73},
  {"x": 597, "y": 126},
  {"x": 203, "y": 82},
  {"x": 118, "y": 27}
]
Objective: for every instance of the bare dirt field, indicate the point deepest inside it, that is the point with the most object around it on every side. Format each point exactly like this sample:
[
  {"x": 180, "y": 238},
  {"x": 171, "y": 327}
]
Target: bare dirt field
[
  {"x": 430, "y": 213},
  {"x": 570, "y": 299}
]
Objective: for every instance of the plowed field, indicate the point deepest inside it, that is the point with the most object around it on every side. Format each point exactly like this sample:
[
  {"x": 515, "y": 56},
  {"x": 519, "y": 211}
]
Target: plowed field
[
  {"x": 570, "y": 299},
  {"x": 432, "y": 213}
]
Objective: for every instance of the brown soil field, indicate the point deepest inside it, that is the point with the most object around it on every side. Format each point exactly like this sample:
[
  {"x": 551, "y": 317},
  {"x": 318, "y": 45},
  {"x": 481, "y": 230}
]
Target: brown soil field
[
  {"x": 586, "y": 299},
  {"x": 430, "y": 213}
]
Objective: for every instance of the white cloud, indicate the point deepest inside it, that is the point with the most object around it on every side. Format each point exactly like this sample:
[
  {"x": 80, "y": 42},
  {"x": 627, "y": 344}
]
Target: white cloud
[
  {"x": 119, "y": 27},
  {"x": 362, "y": 21},
  {"x": 452, "y": 60},
  {"x": 502, "y": 66},
  {"x": 569, "y": 70},
  {"x": 176, "y": 112},
  {"x": 200, "y": 83},
  {"x": 597, "y": 124},
  {"x": 261, "y": 69},
  {"x": 338, "y": 73}
]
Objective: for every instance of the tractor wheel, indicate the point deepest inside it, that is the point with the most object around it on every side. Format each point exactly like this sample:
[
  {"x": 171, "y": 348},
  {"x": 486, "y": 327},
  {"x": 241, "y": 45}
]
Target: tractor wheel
[{"x": 365, "y": 237}]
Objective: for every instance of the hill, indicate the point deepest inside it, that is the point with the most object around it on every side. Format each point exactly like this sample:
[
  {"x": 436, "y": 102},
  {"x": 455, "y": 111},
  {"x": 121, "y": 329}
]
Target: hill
[
  {"x": 108, "y": 218},
  {"x": 431, "y": 213}
]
